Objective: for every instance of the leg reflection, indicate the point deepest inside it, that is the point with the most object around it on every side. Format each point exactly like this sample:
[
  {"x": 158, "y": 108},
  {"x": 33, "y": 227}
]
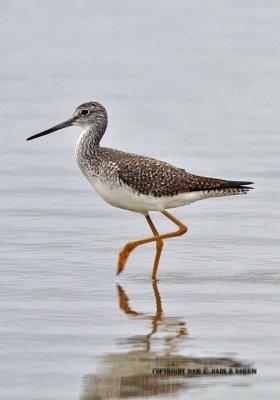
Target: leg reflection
[
  {"x": 173, "y": 328},
  {"x": 130, "y": 372}
]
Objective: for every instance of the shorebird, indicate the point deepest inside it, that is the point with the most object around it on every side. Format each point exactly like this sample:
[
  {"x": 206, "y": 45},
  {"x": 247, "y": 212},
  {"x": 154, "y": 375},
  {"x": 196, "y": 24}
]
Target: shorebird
[{"x": 138, "y": 183}]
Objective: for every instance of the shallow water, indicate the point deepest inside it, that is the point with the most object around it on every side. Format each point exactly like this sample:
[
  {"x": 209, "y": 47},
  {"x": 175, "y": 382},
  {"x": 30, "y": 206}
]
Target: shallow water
[{"x": 196, "y": 85}]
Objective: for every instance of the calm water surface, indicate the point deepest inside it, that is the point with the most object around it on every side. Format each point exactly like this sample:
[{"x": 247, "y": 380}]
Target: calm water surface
[{"x": 194, "y": 84}]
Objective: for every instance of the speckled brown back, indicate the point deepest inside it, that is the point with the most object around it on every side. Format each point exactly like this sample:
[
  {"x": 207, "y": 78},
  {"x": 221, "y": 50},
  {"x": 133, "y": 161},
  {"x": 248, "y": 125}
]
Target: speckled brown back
[{"x": 149, "y": 176}]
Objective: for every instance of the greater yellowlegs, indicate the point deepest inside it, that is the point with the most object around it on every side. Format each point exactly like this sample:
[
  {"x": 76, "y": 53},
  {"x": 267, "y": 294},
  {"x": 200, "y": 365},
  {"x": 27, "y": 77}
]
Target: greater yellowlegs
[{"x": 138, "y": 183}]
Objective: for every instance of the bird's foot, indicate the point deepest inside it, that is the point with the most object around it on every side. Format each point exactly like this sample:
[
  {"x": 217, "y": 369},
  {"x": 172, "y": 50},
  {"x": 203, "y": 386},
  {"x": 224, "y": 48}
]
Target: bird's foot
[{"x": 123, "y": 256}]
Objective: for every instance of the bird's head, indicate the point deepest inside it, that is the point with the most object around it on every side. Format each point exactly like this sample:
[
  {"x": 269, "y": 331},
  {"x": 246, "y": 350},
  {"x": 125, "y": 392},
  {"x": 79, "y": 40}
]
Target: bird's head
[
  {"x": 88, "y": 114},
  {"x": 85, "y": 115}
]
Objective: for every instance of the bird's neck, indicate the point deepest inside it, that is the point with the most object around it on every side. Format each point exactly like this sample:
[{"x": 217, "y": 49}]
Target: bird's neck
[{"x": 90, "y": 137}]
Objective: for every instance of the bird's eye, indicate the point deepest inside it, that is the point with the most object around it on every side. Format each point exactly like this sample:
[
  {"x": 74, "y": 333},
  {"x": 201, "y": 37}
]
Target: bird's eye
[{"x": 84, "y": 112}]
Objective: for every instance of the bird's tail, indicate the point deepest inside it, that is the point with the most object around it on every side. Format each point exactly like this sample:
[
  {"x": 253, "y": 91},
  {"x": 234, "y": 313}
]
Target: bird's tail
[
  {"x": 238, "y": 187},
  {"x": 229, "y": 188}
]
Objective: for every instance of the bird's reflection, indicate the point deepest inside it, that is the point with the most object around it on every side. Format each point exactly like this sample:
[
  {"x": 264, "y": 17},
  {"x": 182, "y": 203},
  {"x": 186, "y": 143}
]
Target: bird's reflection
[{"x": 132, "y": 373}]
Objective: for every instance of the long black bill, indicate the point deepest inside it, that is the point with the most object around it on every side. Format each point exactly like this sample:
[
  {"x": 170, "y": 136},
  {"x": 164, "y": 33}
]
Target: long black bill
[{"x": 64, "y": 124}]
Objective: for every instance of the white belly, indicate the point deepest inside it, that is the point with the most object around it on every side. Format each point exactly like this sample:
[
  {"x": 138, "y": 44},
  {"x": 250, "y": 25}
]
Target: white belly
[{"x": 123, "y": 197}]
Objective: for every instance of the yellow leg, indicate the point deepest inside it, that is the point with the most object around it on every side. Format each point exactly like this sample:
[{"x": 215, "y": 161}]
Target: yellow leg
[
  {"x": 129, "y": 247},
  {"x": 159, "y": 246}
]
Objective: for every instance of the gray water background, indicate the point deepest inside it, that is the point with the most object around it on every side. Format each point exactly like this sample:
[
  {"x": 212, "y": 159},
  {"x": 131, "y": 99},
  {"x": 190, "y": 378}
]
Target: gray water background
[{"x": 194, "y": 83}]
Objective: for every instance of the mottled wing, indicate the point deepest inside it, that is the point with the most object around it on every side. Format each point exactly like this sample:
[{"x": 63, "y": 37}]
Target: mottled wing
[{"x": 149, "y": 176}]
